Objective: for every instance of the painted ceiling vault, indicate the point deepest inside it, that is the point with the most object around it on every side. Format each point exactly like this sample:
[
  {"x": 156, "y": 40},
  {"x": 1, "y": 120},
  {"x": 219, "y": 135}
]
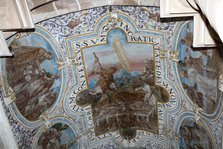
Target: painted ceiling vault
[{"x": 113, "y": 77}]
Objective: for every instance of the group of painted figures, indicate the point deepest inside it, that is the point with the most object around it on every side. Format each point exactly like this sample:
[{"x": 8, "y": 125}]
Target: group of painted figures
[
  {"x": 122, "y": 100},
  {"x": 30, "y": 83}
]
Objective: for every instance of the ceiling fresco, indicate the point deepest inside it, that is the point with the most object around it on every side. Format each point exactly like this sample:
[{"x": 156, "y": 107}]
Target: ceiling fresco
[
  {"x": 199, "y": 72},
  {"x": 113, "y": 77},
  {"x": 191, "y": 133},
  {"x": 36, "y": 83}
]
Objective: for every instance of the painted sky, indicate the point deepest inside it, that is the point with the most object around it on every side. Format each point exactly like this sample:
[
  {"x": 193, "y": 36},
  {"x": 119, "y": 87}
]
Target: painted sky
[{"x": 136, "y": 53}]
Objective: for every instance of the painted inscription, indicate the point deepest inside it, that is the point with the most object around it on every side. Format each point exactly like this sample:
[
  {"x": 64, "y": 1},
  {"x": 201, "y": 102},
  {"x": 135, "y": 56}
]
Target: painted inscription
[{"x": 122, "y": 92}]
